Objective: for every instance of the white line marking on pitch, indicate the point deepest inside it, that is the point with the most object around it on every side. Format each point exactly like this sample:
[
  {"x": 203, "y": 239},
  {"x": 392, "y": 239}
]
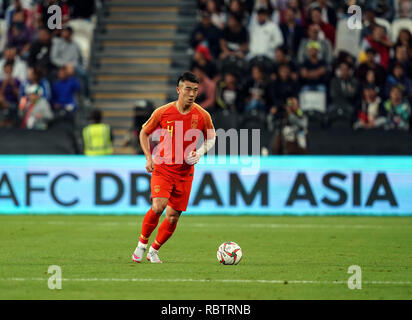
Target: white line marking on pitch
[
  {"x": 289, "y": 225},
  {"x": 210, "y": 281},
  {"x": 217, "y": 225}
]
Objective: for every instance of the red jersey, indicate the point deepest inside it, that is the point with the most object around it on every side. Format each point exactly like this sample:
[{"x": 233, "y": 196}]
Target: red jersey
[{"x": 179, "y": 134}]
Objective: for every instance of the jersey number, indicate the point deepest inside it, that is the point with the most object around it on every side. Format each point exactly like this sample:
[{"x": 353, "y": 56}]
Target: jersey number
[{"x": 170, "y": 129}]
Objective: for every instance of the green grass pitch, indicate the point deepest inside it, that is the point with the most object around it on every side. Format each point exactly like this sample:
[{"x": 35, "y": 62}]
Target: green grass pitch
[{"x": 283, "y": 258}]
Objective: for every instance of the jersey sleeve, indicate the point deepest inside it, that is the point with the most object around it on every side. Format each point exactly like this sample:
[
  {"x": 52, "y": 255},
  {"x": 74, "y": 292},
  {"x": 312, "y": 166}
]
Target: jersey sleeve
[
  {"x": 153, "y": 123},
  {"x": 208, "y": 128}
]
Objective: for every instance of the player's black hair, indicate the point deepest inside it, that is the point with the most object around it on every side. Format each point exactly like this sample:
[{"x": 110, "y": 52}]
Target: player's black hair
[{"x": 187, "y": 76}]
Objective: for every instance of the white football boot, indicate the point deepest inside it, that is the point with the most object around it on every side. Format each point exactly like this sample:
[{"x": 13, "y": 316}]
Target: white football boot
[
  {"x": 153, "y": 256},
  {"x": 138, "y": 253}
]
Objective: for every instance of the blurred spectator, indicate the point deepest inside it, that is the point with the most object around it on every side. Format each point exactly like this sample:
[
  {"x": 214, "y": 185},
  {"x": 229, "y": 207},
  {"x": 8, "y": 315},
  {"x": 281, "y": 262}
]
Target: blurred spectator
[
  {"x": 265, "y": 36},
  {"x": 371, "y": 80},
  {"x": 206, "y": 95},
  {"x": 291, "y": 139},
  {"x": 383, "y": 8},
  {"x": 368, "y": 112},
  {"x": 401, "y": 57},
  {"x": 43, "y": 16},
  {"x": 299, "y": 12},
  {"x": 19, "y": 35},
  {"x": 370, "y": 65},
  {"x": 274, "y": 15},
  {"x": 283, "y": 87},
  {"x": 234, "y": 41},
  {"x": 35, "y": 75},
  {"x": 281, "y": 58},
  {"x": 97, "y": 136},
  {"x": 19, "y": 66},
  {"x": 64, "y": 90},
  {"x": 379, "y": 41},
  {"x": 18, "y": 6},
  {"x": 343, "y": 56},
  {"x": 404, "y": 9},
  {"x": 203, "y": 58},
  {"x": 343, "y": 92},
  {"x": 39, "y": 54},
  {"x": 398, "y": 78},
  {"x": 327, "y": 28},
  {"x": 81, "y": 9},
  {"x": 201, "y": 5},
  {"x": 369, "y": 22},
  {"x": 228, "y": 93},
  {"x": 248, "y": 5},
  {"x": 292, "y": 32},
  {"x": 217, "y": 16},
  {"x": 325, "y": 51},
  {"x": 237, "y": 7},
  {"x": 34, "y": 110},
  {"x": 405, "y": 39},
  {"x": 9, "y": 92},
  {"x": 140, "y": 111},
  {"x": 313, "y": 71},
  {"x": 205, "y": 31},
  {"x": 328, "y": 13},
  {"x": 397, "y": 110},
  {"x": 64, "y": 51},
  {"x": 280, "y": 4},
  {"x": 257, "y": 90}
]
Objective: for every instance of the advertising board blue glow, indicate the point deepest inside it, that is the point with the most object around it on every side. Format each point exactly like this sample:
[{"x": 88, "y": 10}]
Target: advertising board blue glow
[{"x": 274, "y": 185}]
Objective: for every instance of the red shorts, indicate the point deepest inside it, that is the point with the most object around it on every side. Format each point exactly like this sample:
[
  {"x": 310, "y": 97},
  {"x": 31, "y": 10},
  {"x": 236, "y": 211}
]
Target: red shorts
[{"x": 176, "y": 190}]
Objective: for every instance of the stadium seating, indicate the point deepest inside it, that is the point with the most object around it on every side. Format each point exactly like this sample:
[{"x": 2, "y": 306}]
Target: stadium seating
[
  {"x": 399, "y": 24},
  {"x": 83, "y": 36},
  {"x": 384, "y": 23},
  {"x": 140, "y": 50},
  {"x": 313, "y": 101},
  {"x": 134, "y": 50},
  {"x": 3, "y": 34}
]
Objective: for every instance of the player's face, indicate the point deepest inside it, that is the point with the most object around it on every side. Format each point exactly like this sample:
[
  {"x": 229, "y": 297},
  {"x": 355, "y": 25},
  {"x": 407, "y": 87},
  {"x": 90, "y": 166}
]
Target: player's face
[{"x": 187, "y": 92}]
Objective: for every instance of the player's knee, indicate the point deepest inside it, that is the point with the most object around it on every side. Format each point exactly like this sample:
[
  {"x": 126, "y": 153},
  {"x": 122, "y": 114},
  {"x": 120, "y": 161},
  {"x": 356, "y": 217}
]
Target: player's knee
[
  {"x": 173, "y": 218},
  {"x": 158, "y": 208}
]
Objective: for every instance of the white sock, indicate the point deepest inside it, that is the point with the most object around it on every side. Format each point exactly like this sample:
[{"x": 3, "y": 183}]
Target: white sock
[{"x": 151, "y": 249}]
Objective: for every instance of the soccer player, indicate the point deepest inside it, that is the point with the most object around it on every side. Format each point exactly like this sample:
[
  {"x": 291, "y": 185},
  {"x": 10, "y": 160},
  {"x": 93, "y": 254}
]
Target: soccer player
[{"x": 183, "y": 126}]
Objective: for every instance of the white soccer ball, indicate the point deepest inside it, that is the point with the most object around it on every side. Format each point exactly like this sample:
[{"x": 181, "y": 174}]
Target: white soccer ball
[{"x": 229, "y": 253}]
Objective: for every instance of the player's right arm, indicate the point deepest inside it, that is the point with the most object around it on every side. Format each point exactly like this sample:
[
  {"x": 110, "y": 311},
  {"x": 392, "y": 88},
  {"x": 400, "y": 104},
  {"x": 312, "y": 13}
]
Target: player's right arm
[
  {"x": 145, "y": 144},
  {"x": 148, "y": 127}
]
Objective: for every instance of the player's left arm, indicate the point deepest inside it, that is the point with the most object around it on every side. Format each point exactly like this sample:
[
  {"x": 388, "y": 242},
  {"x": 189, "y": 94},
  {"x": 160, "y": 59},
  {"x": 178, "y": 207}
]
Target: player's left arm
[{"x": 209, "y": 135}]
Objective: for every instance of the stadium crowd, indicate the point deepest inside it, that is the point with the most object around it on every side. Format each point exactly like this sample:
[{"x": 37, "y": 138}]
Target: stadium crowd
[
  {"x": 42, "y": 71},
  {"x": 268, "y": 58}
]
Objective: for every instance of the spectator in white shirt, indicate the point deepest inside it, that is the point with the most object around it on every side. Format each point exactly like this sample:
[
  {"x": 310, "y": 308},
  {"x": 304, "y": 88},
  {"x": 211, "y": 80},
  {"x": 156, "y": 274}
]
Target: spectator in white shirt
[
  {"x": 265, "y": 36},
  {"x": 218, "y": 17},
  {"x": 19, "y": 66},
  {"x": 66, "y": 52}
]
